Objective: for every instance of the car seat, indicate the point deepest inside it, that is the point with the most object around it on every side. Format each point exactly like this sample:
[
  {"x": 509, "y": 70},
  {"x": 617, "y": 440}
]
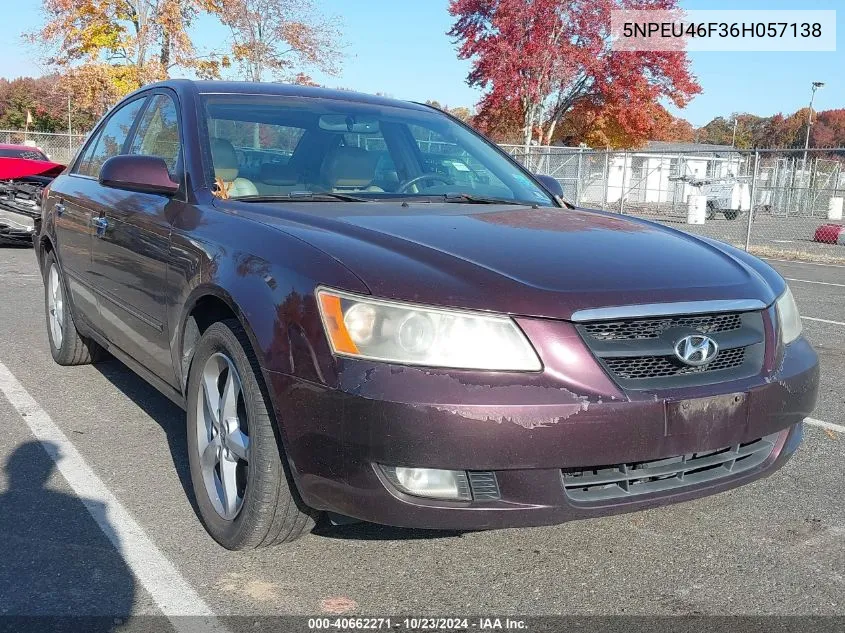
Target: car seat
[
  {"x": 350, "y": 169},
  {"x": 278, "y": 179},
  {"x": 226, "y": 169}
]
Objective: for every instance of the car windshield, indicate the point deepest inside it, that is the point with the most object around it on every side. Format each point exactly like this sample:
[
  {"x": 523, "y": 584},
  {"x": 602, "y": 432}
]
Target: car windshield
[
  {"x": 277, "y": 146},
  {"x": 14, "y": 152}
]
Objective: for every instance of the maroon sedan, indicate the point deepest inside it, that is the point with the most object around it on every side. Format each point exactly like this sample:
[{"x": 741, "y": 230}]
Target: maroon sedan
[{"x": 354, "y": 327}]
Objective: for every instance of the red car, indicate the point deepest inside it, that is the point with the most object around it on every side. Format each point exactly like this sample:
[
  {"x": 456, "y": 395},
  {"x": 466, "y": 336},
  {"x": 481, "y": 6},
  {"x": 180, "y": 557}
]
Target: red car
[
  {"x": 409, "y": 348},
  {"x": 830, "y": 234},
  {"x": 24, "y": 172}
]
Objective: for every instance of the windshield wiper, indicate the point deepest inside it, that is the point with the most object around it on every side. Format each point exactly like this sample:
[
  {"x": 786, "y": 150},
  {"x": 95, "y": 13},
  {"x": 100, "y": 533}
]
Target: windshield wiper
[
  {"x": 301, "y": 196},
  {"x": 466, "y": 197}
]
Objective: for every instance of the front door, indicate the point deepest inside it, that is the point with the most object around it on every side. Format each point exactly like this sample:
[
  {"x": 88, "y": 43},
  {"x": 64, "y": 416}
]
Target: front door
[
  {"x": 75, "y": 213},
  {"x": 131, "y": 244}
]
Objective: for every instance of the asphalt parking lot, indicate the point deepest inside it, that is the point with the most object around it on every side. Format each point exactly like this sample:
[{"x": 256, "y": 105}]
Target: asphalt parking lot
[
  {"x": 769, "y": 234},
  {"x": 774, "y": 547}
]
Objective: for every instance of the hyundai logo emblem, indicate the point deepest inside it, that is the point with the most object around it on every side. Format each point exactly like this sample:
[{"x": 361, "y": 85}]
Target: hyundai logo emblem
[{"x": 696, "y": 350}]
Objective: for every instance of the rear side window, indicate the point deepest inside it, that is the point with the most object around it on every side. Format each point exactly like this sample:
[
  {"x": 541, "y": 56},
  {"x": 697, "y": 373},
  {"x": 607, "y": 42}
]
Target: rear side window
[
  {"x": 111, "y": 139},
  {"x": 158, "y": 132}
]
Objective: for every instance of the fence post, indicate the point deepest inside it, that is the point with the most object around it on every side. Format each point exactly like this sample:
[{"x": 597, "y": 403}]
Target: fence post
[
  {"x": 622, "y": 187},
  {"x": 606, "y": 178},
  {"x": 578, "y": 178},
  {"x": 751, "y": 195}
]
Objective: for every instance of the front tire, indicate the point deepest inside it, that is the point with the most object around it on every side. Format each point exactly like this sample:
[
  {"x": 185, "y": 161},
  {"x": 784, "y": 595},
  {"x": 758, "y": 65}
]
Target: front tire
[
  {"x": 67, "y": 345},
  {"x": 245, "y": 494}
]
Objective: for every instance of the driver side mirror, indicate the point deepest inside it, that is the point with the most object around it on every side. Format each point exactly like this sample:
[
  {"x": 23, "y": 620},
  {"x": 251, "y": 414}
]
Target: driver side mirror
[
  {"x": 551, "y": 184},
  {"x": 147, "y": 174}
]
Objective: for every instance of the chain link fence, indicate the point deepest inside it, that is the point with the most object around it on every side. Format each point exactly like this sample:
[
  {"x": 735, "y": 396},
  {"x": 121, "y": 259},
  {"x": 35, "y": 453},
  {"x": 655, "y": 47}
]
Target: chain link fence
[
  {"x": 60, "y": 147},
  {"x": 771, "y": 202}
]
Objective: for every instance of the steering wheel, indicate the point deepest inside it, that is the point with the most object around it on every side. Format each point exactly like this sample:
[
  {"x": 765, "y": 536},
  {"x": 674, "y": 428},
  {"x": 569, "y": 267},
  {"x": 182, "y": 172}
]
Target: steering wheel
[{"x": 404, "y": 186}]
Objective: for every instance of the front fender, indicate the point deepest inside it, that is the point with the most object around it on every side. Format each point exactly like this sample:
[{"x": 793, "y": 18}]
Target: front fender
[{"x": 267, "y": 278}]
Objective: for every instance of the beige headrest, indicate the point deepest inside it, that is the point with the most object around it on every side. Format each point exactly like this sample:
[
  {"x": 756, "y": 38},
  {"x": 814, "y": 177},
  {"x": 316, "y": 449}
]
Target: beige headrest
[
  {"x": 225, "y": 159},
  {"x": 278, "y": 174},
  {"x": 350, "y": 167}
]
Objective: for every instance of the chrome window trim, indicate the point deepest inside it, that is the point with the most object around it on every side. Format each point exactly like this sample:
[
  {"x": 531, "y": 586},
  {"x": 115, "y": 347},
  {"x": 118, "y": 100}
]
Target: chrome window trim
[{"x": 666, "y": 309}]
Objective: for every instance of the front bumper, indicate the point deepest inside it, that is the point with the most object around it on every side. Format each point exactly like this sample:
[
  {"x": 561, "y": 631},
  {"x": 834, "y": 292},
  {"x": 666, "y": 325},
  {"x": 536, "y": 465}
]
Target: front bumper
[
  {"x": 406, "y": 416},
  {"x": 16, "y": 227}
]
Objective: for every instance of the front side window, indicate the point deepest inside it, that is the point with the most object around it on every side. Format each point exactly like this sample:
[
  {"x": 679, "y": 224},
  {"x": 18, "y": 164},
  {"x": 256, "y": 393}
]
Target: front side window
[
  {"x": 266, "y": 145},
  {"x": 442, "y": 156},
  {"x": 111, "y": 139},
  {"x": 158, "y": 132}
]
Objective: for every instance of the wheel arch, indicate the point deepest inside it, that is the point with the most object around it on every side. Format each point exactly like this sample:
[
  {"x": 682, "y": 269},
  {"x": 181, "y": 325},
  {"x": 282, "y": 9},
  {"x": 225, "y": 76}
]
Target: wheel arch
[
  {"x": 207, "y": 304},
  {"x": 213, "y": 304},
  {"x": 43, "y": 246}
]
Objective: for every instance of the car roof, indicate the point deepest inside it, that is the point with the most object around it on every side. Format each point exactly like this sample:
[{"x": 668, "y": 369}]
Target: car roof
[{"x": 283, "y": 90}]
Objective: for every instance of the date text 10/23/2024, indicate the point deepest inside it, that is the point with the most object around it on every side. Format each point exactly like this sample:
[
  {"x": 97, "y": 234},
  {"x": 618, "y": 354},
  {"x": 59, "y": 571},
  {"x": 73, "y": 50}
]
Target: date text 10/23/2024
[{"x": 445, "y": 624}]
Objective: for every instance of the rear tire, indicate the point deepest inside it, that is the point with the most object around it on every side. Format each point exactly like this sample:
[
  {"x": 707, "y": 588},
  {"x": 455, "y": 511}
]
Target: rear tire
[
  {"x": 731, "y": 215},
  {"x": 244, "y": 490},
  {"x": 67, "y": 345}
]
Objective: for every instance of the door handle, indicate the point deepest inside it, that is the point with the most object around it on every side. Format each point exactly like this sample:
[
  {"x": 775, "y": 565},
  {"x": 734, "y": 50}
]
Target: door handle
[
  {"x": 60, "y": 209},
  {"x": 101, "y": 225}
]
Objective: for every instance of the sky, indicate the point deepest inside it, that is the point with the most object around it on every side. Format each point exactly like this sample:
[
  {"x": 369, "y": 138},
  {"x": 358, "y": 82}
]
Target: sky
[{"x": 400, "y": 47}]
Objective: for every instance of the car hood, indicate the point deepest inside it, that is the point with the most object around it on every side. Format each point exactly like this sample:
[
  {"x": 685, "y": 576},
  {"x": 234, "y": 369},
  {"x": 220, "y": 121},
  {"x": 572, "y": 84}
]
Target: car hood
[
  {"x": 12, "y": 168},
  {"x": 521, "y": 260}
]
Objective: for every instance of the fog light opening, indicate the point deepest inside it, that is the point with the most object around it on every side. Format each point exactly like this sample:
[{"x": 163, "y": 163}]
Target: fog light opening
[{"x": 431, "y": 483}]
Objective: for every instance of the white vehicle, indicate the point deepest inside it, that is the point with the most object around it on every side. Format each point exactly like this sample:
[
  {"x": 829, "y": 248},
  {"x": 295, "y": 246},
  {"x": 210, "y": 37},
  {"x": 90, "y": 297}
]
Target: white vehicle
[{"x": 729, "y": 196}]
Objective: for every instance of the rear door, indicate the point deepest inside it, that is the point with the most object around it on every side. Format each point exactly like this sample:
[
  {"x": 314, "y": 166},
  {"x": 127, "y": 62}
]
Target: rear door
[
  {"x": 131, "y": 246},
  {"x": 75, "y": 208}
]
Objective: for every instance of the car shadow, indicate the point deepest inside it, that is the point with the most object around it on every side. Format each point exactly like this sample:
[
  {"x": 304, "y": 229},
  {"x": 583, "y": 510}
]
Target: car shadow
[
  {"x": 362, "y": 531},
  {"x": 165, "y": 413},
  {"x": 172, "y": 420},
  {"x": 14, "y": 244},
  {"x": 60, "y": 564}
]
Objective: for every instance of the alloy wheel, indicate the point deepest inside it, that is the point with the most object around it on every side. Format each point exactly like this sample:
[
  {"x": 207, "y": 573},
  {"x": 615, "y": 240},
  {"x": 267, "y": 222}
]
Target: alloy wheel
[
  {"x": 222, "y": 435},
  {"x": 56, "y": 306}
]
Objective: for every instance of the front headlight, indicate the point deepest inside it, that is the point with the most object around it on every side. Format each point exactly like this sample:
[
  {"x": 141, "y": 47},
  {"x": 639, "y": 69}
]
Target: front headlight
[
  {"x": 789, "y": 320},
  {"x": 377, "y": 329}
]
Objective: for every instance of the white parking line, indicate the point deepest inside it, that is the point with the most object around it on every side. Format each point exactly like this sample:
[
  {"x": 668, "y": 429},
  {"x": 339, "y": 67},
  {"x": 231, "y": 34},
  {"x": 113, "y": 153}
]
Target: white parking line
[
  {"x": 823, "y": 321},
  {"x": 825, "y": 425},
  {"x": 168, "y": 589},
  {"x": 810, "y": 281},
  {"x": 792, "y": 261}
]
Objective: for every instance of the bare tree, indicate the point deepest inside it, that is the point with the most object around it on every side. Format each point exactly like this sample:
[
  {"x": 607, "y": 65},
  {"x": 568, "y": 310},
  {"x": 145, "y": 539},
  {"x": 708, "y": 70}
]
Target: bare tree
[{"x": 283, "y": 38}]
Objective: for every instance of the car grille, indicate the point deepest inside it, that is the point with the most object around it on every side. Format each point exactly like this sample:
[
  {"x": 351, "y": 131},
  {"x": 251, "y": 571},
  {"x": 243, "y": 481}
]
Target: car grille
[
  {"x": 639, "y": 353},
  {"x": 660, "y": 475},
  {"x": 642, "y": 367},
  {"x": 639, "y": 329}
]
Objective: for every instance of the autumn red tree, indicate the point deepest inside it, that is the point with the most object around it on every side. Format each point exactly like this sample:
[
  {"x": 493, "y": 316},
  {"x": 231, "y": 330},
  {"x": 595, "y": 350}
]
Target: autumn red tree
[
  {"x": 500, "y": 119},
  {"x": 829, "y": 129},
  {"x": 671, "y": 128},
  {"x": 544, "y": 57},
  {"x": 39, "y": 97}
]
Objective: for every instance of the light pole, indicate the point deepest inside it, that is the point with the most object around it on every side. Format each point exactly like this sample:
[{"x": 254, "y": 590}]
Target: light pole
[{"x": 816, "y": 86}]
